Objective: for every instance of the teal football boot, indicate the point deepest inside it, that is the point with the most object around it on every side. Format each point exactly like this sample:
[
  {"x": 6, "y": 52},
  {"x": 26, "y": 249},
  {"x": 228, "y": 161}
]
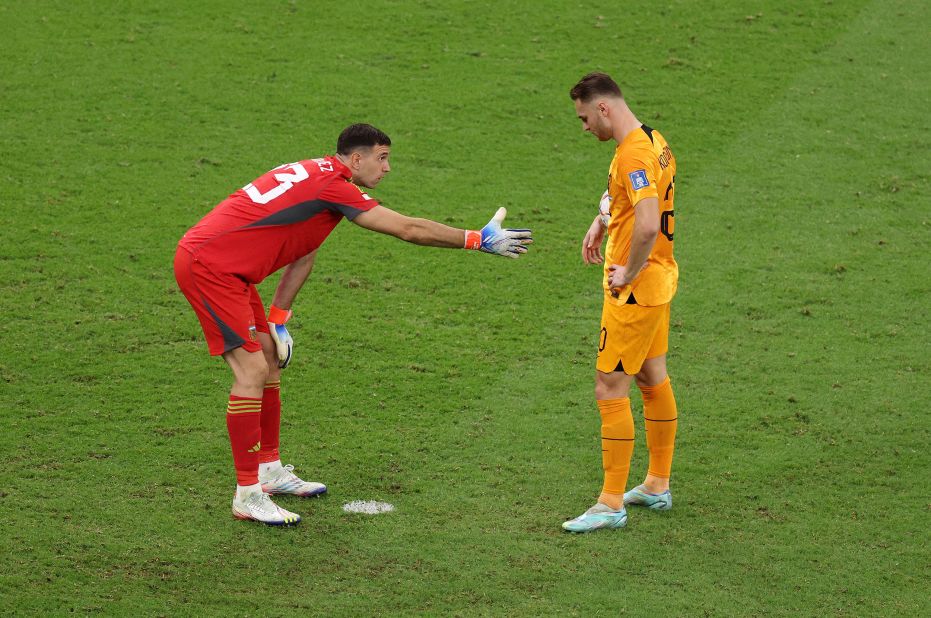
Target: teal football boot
[
  {"x": 598, "y": 517},
  {"x": 639, "y": 496}
]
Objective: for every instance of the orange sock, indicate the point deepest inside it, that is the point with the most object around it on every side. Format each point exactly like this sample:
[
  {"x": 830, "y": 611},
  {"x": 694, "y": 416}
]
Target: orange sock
[
  {"x": 271, "y": 421},
  {"x": 659, "y": 413},
  {"x": 617, "y": 443},
  {"x": 242, "y": 421}
]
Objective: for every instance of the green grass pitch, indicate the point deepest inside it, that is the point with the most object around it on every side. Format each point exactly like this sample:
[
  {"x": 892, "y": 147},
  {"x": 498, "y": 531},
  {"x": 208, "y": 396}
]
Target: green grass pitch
[{"x": 456, "y": 386}]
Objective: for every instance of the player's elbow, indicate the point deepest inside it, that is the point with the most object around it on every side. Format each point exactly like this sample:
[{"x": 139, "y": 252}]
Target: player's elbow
[
  {"x": 408, "y": 233},
  {"x": 414, "y": 231},
  {"x": 647, "y": 230}
]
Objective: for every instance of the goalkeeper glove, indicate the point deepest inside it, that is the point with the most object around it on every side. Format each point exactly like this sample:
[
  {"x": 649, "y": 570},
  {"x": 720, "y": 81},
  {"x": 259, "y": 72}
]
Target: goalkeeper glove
[
  {"x": 280, "y": 335},
  {"x": 501, "y": 241}
]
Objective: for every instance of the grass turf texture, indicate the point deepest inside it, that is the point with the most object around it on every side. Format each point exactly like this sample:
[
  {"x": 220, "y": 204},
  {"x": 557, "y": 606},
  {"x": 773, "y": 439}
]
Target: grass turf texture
[{"x": 458, "y": 386}]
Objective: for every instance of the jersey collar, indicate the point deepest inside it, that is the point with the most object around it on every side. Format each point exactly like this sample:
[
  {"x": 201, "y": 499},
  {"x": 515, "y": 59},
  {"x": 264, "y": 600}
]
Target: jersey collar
[{"x": 340, "y": 167}]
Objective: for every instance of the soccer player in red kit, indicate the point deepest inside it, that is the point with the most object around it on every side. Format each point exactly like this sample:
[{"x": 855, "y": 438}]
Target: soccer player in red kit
[{"x": 279, "y": 221}]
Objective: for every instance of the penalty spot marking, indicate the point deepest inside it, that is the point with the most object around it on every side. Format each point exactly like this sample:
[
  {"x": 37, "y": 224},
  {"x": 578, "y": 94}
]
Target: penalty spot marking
[{"x": 368, "y": 507}]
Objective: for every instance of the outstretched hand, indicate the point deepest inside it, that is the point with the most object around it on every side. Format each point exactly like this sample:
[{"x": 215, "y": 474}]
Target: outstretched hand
[{"x": 504, "y": 241}]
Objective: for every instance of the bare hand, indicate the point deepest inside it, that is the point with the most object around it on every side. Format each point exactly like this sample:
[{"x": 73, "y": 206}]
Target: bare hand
[
  {"x": 591, "y": 244},
  {"x": 618, "y": 275}
]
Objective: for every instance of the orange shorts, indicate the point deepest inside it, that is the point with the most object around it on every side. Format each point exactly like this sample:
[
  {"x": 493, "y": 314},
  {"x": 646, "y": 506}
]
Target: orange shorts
[
  {"x": 229, "y": 309},
  {"x": 630, "y": 334}
]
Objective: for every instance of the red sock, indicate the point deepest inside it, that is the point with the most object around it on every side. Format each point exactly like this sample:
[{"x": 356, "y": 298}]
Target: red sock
[
  {"x": 271, "y": 422},
  {"x": 242, "y": 421}
]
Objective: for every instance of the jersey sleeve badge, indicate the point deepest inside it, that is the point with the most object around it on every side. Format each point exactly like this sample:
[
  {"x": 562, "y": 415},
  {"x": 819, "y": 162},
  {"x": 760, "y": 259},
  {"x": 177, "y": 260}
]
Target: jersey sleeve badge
[{"x": 638, "y": 179}]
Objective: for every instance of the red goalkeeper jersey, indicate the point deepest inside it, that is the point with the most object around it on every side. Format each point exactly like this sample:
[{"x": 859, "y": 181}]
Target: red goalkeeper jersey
[{"x": 277, "y": 218}]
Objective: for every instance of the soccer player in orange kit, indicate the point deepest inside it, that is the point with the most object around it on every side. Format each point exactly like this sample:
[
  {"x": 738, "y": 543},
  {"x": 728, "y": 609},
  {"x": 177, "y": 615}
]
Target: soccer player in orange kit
[
  {"x": 279, "y": 220},
  {"x": 640, "y": 279}
]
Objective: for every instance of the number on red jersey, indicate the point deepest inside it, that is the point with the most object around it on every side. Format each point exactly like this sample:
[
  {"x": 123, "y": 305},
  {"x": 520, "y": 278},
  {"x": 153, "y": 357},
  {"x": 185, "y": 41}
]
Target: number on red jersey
[{"x": 286, "y": 180}]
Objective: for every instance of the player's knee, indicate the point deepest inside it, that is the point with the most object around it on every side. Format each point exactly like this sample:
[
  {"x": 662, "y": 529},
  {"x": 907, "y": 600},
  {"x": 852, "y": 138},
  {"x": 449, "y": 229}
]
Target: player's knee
[
  {"x": 646, "y": 378},
  {"x": 611, "y": 386},
  {"x": 253, "y": 372},
  {"x": 652, "y": 372},
  {"x": 601, "y": 390},
  {"x": 261, "y": 371}
]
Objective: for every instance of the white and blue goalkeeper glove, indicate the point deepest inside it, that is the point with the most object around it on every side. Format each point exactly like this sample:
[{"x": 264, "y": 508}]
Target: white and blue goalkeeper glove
[
  {"x": 501, "y": 241},
  {"x": 280, "y": 335}
]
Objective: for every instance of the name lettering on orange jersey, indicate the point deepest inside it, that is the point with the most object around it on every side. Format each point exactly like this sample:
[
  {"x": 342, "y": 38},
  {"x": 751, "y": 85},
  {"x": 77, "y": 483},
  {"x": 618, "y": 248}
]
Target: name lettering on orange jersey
[{"x": 665, "y": 157}]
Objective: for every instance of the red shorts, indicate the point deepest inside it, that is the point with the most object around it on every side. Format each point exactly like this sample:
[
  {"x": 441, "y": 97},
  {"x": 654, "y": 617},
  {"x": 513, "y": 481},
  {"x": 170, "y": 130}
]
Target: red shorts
[{"x": 229, "y": 309}]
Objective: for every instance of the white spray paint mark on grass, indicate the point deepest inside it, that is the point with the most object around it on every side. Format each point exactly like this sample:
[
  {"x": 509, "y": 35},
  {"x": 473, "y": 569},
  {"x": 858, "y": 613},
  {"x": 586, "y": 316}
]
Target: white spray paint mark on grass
[{"x": 368, "y": 507}]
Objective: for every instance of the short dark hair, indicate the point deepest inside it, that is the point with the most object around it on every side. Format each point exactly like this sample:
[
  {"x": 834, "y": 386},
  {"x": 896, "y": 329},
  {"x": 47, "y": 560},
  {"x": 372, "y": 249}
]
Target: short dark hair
[
  {"x": 593, "y": 85},
  {"x": 360, "y": 135}
]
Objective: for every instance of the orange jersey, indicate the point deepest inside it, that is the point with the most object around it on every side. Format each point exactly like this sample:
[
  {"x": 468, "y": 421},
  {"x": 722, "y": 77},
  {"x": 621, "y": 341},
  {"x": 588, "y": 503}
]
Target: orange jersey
[{"x": 643, "y": 167}]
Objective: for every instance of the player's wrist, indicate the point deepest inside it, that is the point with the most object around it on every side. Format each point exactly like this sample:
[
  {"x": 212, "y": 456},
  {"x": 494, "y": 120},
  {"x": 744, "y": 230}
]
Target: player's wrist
[
  {"x": 276, "y": 315},
  {"x": 473, "y": 240}
]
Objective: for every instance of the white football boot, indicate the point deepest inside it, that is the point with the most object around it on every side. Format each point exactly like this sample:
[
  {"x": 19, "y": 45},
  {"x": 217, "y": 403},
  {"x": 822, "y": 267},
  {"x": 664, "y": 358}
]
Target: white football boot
[
  {"x": 283, "y": 481},
  {"x": 257, "y": 506}
]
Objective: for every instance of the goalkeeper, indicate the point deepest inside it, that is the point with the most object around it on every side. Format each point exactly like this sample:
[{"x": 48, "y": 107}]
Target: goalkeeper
[{"x": 280, "y": 220}]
